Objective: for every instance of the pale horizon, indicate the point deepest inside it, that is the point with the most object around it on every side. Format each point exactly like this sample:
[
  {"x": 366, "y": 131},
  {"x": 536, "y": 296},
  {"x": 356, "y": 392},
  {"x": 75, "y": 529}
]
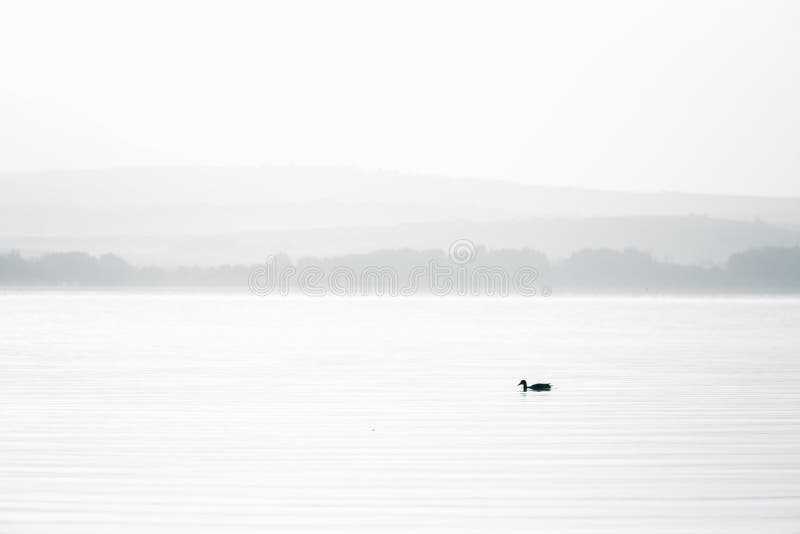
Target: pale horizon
[
  {"x": 623, "y": 96},
  {"x": 399, "y": 173}
]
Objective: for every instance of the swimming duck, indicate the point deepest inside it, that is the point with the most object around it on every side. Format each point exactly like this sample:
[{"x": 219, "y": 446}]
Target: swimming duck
[{"x": 534, "y": 387}]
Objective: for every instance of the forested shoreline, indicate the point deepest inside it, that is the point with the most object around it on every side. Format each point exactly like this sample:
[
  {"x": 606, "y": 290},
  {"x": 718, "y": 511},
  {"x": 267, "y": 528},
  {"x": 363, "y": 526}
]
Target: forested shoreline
[{"x": 767, "y": 270}]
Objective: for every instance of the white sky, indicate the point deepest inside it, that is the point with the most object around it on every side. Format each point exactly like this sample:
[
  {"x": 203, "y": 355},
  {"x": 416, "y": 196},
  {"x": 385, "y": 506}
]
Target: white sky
[{"x": 691, "y": 96}]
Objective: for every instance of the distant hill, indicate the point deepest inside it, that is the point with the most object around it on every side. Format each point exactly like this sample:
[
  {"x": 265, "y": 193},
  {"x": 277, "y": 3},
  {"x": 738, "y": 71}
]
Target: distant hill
[
  {"x": 206, "y": 200},
  {"x": 209, "y": 216}
]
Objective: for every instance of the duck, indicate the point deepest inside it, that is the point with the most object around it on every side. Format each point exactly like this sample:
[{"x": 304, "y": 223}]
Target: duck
[{"x": 534, "y": 387}]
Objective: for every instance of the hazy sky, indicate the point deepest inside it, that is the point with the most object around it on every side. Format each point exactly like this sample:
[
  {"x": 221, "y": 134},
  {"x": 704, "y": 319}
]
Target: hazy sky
[{"x": 692, "y": 96}]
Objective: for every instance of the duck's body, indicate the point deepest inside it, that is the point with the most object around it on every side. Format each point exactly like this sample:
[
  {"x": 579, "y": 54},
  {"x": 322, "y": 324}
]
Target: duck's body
[{"x": 534, "y": 387}]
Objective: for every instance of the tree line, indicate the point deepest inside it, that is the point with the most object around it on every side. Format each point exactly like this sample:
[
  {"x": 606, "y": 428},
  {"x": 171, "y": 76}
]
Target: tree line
[{"x": 769, "y": 270}]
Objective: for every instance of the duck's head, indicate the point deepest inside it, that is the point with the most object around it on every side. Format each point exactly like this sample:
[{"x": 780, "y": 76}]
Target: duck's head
[{"x": 522, "y": 383}]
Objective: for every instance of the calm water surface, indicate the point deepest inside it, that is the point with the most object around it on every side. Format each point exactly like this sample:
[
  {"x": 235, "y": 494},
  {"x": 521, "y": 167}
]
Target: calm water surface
[{"x": 223, "y": 413}]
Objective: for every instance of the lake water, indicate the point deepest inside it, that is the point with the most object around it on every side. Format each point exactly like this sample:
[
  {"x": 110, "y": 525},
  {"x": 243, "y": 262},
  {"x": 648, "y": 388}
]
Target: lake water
[{"x": 160, "y": 412}]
